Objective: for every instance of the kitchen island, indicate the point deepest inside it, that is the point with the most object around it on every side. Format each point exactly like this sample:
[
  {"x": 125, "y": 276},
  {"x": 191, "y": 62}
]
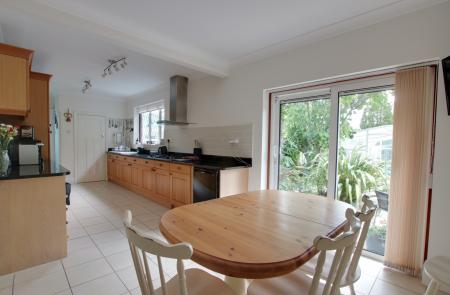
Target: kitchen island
[{"x": 32, "y": 216}]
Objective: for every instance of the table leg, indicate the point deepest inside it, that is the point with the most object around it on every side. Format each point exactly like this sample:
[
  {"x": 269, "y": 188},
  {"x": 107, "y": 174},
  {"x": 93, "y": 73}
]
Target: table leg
[{"x": 238, "y": 285}]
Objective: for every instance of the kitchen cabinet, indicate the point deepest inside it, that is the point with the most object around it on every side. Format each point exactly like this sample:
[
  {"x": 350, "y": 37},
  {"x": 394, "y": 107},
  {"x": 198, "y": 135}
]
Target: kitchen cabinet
[
  {"x": 166, "y": 183},
  {"x": 180, "y": 189},
  {"x": 148, "y": 179},
  {"x": 15, "y": 65},
  {"x": 162, "y": 184},
  {"x": 136, "y": 175}
]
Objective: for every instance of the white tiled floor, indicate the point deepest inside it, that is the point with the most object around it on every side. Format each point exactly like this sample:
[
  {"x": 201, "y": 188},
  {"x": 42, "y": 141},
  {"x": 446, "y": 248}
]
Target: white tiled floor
[{"x": 99, "y": 260}]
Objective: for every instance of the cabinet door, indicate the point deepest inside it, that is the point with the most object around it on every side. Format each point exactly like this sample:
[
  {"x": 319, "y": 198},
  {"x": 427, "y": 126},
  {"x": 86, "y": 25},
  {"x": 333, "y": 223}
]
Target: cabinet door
[
  {"x": 162, "y": 184},
  {"x": 110, "y": 168},
  {"x": 136, "y": 175},
  {"x": 148, "y": 179},
  {"x": 14, "y": 79},
  {"x": 180, "y": 189},
  {"x": 125, "y": 173}
]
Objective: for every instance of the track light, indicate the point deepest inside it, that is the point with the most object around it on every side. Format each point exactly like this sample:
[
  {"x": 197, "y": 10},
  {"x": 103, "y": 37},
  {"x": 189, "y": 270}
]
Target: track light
[
  {"x": 114, "y": 64},
  {"x": 87, "y": 85}
]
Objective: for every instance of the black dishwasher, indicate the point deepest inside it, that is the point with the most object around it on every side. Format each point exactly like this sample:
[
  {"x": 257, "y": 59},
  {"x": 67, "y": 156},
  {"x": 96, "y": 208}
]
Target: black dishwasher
[{"x": 206, "y": 184}]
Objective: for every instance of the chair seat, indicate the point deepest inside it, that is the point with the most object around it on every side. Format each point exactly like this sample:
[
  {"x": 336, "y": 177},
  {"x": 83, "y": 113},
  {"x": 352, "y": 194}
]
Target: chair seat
[
  {"x": 438, "y": 268},
  {"x": 296, "y": 282},
  {"x": 310, "y": 268},
  {"x": 198, "y": 282}
]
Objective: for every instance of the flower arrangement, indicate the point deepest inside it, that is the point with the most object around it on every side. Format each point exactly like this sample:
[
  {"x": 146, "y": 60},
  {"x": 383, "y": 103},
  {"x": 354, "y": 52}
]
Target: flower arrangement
[{"x": 7, "y": 134}]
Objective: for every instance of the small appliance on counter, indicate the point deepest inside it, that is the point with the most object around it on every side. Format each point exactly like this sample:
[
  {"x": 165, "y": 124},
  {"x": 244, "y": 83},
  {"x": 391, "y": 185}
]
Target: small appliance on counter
[{"x": 30, "y": 153}]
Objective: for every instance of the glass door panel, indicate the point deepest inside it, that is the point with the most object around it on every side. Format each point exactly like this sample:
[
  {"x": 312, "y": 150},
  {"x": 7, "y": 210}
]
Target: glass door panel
[
  {"x": 304, "y": 145},
  {"x": 364, "y": 155}
]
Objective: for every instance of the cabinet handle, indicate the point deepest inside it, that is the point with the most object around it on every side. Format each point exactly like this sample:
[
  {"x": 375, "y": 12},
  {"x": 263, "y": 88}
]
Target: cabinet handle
[
  {"x": 153, "y": 169},
  {"x": 170, "y": 173},
  {"x": 129, "y": 164},
  {"x": 146, "y": 162}
]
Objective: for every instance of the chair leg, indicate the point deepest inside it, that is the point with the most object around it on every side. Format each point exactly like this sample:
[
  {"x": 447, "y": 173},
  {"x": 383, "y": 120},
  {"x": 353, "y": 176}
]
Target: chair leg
[
  {"x": 432, "y": 288},
  {"x": 352, "y": 289}
]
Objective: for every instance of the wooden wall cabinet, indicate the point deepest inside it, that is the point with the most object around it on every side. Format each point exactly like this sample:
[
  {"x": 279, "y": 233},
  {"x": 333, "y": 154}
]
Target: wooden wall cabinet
[
  {"x": 162, "y": 182},
  {"x": 15, "y": 65}
]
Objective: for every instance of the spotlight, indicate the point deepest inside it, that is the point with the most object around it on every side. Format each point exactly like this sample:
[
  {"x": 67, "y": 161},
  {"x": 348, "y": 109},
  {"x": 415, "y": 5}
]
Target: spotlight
[{"x": 114, "y": 64}]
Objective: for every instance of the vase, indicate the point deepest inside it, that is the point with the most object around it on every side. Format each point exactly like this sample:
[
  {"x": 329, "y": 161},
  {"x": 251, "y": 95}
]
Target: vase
[{"x": 4, "y": 162}]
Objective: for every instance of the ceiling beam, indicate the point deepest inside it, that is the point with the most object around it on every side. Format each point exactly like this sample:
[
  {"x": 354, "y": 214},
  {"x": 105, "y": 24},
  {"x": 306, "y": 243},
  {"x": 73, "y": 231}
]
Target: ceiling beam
[{"x": 171, "y": 52}]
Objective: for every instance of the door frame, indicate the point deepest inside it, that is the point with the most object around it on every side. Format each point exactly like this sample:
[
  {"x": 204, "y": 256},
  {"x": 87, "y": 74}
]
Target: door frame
[
  {"x": 334, "y": 91},
  {"x": 75, "y": 138}
]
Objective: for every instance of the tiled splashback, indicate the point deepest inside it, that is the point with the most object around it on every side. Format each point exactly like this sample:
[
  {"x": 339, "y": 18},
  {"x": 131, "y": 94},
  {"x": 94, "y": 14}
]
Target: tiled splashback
[{"x": 213, "y": 140}]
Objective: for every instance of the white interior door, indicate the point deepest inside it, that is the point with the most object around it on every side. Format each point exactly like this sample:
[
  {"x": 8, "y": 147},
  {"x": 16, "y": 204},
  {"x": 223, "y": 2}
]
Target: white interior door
[{"x": 90, "y": 146}]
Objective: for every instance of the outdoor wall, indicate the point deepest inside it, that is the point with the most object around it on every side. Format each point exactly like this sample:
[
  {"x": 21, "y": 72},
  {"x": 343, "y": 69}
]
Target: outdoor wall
[
  {"x": 88, "y": 105},
  {"x": 238, "y": 99}
]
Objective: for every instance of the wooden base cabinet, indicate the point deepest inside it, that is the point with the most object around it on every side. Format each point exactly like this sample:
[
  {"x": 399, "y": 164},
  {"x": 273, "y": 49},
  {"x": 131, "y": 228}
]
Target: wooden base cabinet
[
  {"x": 165, "y": 183},
  {"x": 180, "y": 189}
]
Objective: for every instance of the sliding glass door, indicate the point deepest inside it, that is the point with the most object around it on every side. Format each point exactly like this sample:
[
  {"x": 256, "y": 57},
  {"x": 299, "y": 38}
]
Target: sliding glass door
[
  {"x": 304, "y": 145},
  {"x": 336, "y": 142}
]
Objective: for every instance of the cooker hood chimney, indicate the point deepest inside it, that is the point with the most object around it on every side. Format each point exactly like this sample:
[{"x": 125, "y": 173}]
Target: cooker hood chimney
[{"x": 178, "y": 102}]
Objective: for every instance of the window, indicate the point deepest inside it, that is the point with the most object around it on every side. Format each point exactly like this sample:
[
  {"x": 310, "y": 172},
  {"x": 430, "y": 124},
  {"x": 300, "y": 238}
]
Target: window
[{"x": 149, "y": 131}]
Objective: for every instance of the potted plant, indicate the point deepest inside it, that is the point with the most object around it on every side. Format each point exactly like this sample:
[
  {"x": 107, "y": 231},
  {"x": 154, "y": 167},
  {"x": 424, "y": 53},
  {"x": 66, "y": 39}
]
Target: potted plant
[{"x": 7, "y": 134}]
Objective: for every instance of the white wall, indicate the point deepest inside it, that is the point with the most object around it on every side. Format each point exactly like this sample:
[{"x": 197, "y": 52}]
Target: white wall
[
  {"x": 88, "y": 105},
  {"x": 238, "y": 99}
]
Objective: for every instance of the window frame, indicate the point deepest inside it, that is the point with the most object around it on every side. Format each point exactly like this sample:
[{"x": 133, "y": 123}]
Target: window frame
[
  {"x": 149, "y": 108},
  {"x": 334, "y": 91}
]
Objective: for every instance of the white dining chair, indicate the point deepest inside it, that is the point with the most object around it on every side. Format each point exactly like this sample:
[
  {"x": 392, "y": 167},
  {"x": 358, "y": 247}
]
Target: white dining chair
[
  {"x": 302, "y": 283},
  {"x": 191, "y": 281},
  {"x": 438, "y": 269},
  {"x": 353, "y": 271}
]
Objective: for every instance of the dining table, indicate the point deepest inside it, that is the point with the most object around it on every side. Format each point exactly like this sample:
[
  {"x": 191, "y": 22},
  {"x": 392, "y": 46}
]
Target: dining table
[{"x": 254, "y": 235}]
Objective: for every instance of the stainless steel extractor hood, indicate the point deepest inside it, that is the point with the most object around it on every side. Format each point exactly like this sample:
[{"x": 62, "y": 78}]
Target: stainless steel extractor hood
[{"x": 178, "y": 102}]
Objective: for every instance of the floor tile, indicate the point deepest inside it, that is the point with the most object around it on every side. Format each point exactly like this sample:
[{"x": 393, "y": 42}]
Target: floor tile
[
  {"x": 76, "y": 232},
  {"x": 45, "y": 285},
  {"x": 79, "y": 243},
  {"x": 402, "y": 280},
  {"x": 6, "y": 281},
  {"x": 107, "y": 237},
  {"x": 383, "y": 288},
  {"x": 129, "y": 277},
  {"x": 87, "y": 271},
  {"x": 82, "y": 256},
  {"x": 93, "y": 220},
  {"x": 6, "y": 291},
  {"x": 65, "y": 292},
  {"x": 37, "y": 272},
  {"x": 120, "y": 260},
  {"x": 107, "y": 285},
  {"x": 114, "y": 246},
  {"x": 99, "y": 228},
  {"x": 365, "y": 284}
]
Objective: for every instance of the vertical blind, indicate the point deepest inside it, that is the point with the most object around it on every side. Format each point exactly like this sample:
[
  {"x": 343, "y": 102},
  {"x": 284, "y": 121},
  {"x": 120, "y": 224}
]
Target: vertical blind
[{"x": 411, "y": 162}]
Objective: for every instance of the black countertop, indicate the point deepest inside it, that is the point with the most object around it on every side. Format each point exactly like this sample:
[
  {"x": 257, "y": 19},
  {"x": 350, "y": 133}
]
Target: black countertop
[
  {"x": 204, "y": 161},
  {"x": 47, "y": 169}
]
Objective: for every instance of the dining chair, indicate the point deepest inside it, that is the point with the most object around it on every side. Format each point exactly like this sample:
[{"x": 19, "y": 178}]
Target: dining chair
[
  {"x": 301, "y": 283},
  {"x": 353, "y": 271},
  {"x": 438, "y": 269},
  {"x": 190, "y": 281}
]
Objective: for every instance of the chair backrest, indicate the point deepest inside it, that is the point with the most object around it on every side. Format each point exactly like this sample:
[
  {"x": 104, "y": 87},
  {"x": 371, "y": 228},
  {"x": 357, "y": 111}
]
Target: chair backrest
[
  {"x": 365, "y": 216},
  {"x": 383, "y": 200},
  {"x": 141, "y": 244},
  {"x": 343, "y": 246}
]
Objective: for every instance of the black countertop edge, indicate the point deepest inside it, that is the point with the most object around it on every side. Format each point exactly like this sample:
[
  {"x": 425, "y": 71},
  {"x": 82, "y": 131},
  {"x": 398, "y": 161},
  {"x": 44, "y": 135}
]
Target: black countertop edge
[
  {"x": 211, "y": 162},
  {"x": 47, "y": 169}
]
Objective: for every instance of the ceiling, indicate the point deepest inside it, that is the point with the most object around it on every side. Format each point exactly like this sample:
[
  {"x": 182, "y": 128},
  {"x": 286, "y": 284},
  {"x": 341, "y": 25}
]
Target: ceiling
[{"x": 73, "y": 39}]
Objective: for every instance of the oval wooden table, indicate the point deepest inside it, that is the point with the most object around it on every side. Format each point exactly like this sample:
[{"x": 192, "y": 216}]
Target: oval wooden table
[{"x": 254, "y": 235}]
